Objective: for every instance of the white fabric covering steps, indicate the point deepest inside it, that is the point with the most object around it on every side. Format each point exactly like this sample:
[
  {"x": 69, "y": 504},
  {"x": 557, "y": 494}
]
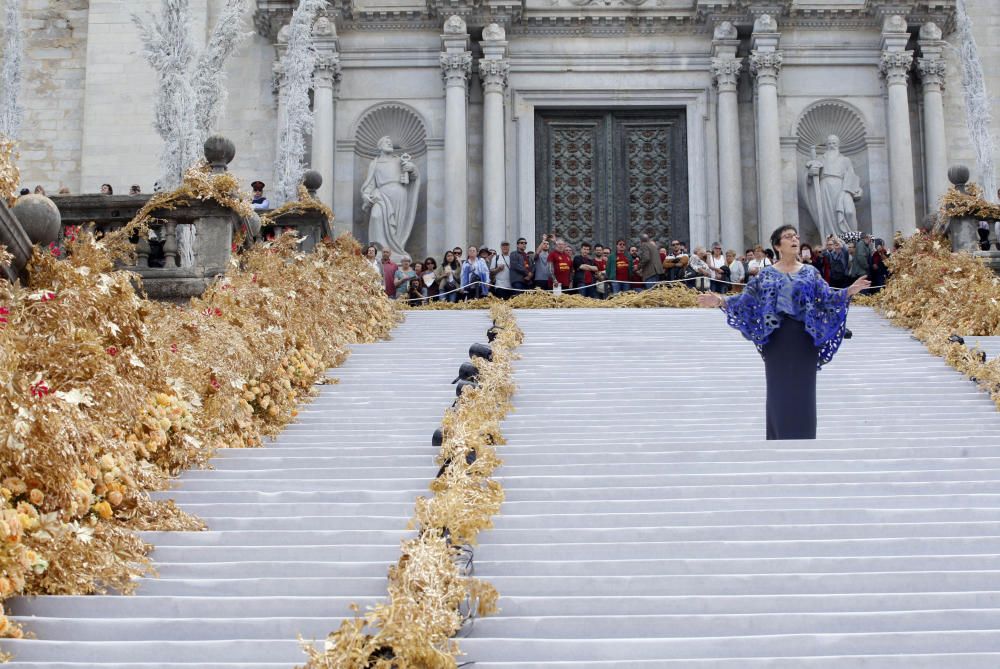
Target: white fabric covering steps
[
  {"x": 298, "y": 529},
  {"x": 648, "y": 524}
]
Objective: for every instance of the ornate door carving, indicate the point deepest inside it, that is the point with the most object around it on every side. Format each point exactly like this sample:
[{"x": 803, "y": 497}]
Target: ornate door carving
[{"x": 600, "y": 175}]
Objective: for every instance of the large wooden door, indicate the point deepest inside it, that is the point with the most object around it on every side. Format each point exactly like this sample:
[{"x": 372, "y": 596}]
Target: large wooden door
[{"x": 605, "y": 174}]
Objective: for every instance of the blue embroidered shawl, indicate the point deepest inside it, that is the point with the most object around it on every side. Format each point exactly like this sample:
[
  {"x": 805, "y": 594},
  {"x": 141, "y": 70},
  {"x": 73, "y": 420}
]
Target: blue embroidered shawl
[{"x": 822, "y": 309}]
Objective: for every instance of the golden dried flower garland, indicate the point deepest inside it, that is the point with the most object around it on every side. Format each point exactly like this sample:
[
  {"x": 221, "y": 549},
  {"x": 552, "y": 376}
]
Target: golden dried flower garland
[
  {"x": 672, "y": 295},
  {"x": 414, "y": 628},
  {"x": 971, "y": 204},
  {"x": 10, "y": 175},
  {"x": 306, "y": 203},
  {"x": 937, "y": 293},
  {"x": 114, "y": 392},
  {"x": 198, "y": 185}
]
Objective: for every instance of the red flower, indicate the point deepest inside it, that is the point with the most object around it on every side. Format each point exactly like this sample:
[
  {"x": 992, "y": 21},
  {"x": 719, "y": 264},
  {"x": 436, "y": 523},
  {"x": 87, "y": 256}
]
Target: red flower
[
  {"x": 218, "y": 311},
  {"x": 71, "y": 232},
  {"x": 40, "y": 389},
  {"x": 233, "y": 247},
  {"x": 214, "y": 383},
  {"x": 4, "y": 313},
  {"x": 207, "y": 311},
  {"x": 112, "y": 351},
  {"x": 48, "y": 296},
  {"x": 54, "y": 250},
  {"x": 173, "y": 348}
]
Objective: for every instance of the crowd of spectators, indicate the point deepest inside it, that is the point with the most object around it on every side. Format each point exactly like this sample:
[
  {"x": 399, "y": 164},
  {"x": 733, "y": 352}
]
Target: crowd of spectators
[{"x": 599, "y": 271}]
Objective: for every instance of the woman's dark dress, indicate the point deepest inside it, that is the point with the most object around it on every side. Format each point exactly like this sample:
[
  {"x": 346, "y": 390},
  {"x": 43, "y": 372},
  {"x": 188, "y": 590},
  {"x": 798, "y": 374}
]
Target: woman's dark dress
[{"x": 797, "y": 323}]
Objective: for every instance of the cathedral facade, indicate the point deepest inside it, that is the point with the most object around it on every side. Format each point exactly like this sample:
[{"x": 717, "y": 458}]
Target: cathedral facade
[{"x": 702, "y": 120}]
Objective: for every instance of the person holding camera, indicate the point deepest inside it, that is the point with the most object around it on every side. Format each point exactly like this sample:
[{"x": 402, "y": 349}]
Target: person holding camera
[{"x": 797, "y": 323}]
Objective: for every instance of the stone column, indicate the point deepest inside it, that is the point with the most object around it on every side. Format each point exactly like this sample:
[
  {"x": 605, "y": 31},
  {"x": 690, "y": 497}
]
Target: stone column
[
  {"x": 493, "y": 70},
  {"x": 456, "y": 65},
  {"x": 932, "y": 70},
  {"x": 326, "y": 81},
  {"x": 765, "y": 65},
  {"x": 895, "y": 66},
  {"x": 726, "y": 72}
]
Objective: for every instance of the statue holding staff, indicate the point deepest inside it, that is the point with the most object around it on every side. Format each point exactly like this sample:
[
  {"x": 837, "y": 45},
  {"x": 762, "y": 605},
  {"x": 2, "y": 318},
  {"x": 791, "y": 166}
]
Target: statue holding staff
[
  {"x": 832, "y": 189},
  {"x": 390, "y": 192}
]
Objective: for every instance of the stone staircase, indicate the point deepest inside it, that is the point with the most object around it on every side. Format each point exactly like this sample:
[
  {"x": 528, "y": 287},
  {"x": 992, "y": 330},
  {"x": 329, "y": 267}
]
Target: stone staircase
[
  {"x": 647, "y": 522},
  {"x": 297, "y": 530}
]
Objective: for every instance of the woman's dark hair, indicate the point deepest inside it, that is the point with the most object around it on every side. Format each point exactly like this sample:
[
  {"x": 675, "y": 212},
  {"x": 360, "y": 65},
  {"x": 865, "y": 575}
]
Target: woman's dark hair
[
  {"x": 111, "y": 191},
  {"x": 455, "y": 262},
  {"x": 429, "y": 259},
  {"x": 776, "y": 236},
  {"x": 805, "y": 246}
]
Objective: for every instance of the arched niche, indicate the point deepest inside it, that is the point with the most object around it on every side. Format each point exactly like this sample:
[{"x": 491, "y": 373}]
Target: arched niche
[
  {"x": 408, "y": 131},
  {"x": 817, "y": 122}
]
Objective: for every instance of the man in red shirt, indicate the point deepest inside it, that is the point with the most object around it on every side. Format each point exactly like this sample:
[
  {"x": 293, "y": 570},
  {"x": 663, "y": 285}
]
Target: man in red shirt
[
  {"x": 601, "y": 262},
  {"x": 389, "y": 273},
  {"x": 562, "y": 265},
  {"x": 622, "y": 272}
]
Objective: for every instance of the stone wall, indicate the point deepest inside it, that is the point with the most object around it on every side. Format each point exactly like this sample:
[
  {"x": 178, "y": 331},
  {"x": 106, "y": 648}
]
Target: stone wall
[
  {"x": 55, "y": 42},
  {"x": 89, "y": 102}
]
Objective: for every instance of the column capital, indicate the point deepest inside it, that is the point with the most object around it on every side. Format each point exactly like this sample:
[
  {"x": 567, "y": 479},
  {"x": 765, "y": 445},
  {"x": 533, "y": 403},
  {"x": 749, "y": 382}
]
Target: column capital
[
  {"x": 932, "y": 71},
  {"x": 765, "y": 66},
  {"x": 493, "y": 73},
  {"x": 327, "y": 72},
  {"x": 456, "y": 68},
  {"x": 895, "y": 66},
  {"x": 726, "y": 72}
]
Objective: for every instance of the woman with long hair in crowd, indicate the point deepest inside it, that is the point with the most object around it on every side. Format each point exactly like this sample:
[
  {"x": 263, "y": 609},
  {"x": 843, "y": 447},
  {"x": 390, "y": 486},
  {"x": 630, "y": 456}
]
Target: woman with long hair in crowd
[
  {"x": 797, "y": 323},
  {"x": 449, "y": 276},
  {"x": 429, "y": 278}
]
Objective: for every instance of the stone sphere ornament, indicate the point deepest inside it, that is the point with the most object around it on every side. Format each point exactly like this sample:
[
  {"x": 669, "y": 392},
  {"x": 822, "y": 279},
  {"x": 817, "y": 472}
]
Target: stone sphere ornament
[
  {"x": 219, "y": 152},
  {"x": 958, "y": 175},
  {"x": 40, "y": 218},
  {"x": 312, "y": 180}
]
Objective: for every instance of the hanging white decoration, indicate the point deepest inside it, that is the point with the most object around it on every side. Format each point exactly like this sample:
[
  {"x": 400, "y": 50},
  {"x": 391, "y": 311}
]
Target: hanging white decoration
[
  {"x": 977, "y": 101},
  {"x": 10, "y": 71},
  {"x": 191, "y": 87},
  {"x": 296, "y": 69},
  {"x": 191, "y": 92}
]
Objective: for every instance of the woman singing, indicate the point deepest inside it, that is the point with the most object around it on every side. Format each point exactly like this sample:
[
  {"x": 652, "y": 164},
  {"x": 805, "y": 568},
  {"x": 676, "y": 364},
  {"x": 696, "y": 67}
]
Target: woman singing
[{"x": 797, "y": 323}]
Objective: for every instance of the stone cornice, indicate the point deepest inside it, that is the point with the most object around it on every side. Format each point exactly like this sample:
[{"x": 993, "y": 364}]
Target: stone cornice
[{"x": 609, "y": 17}]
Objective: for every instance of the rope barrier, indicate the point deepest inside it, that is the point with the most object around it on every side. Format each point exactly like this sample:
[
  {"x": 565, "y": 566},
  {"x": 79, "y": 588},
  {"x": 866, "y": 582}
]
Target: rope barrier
[{"x": 577, "y": 289}]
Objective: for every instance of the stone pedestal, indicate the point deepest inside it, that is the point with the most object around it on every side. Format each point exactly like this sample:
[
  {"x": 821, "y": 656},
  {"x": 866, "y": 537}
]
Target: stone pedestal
[
  {"x": 493, "y": 70},
  {"x": 765, "y": 64},
  {"x": 726, "y": 71},
  {"x": 895, "y": 67},
  {"x": 962, "y": 234},
  {"x": 456, "y": 66}
]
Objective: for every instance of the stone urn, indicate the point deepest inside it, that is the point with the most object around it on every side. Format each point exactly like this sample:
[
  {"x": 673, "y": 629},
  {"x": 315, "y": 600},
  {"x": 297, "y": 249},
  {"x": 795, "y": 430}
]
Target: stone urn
[{"x": 40, "y": 218}]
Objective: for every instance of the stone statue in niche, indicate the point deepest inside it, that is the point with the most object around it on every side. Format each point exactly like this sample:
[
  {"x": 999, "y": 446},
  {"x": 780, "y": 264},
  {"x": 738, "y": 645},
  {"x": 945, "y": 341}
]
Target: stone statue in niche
[
  {"x": 832, "y": 188},
  {"x": 390, "y": 192}
]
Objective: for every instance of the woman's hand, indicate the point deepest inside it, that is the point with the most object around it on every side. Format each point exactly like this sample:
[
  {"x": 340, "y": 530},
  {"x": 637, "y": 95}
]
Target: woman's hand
[
  {"x": 858, "y": 286},
  {"x": 710, "y": 300}
]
